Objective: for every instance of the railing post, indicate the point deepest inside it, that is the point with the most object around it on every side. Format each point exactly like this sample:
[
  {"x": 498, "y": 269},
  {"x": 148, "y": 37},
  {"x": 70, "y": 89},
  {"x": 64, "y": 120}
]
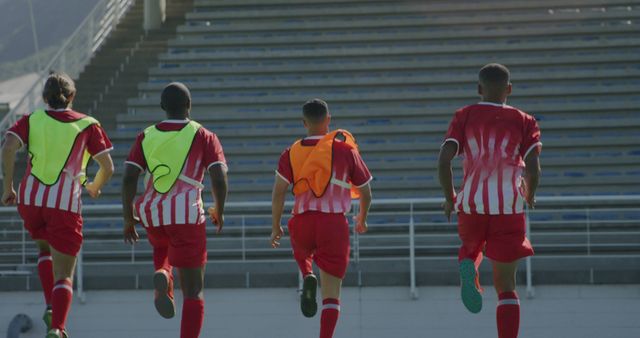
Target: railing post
[
  {"x": 529, "y": 273},
  {"x": 247, "y": 275},
  {"x": 80, "y": 277},
  {"x": 412, "y": 254},
  {"x": 588, "y": 221},
  {"x": 356, "y": 244}
]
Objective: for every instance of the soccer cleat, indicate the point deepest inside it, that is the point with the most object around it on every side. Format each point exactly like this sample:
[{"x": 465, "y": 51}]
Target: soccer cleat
[
  {"x": 308, "y": 303},
  {"x": 46, "y": 317},
  {"x": 55, "y": 333},
  {"x": 163, "y": 285},
  {"x": 471, "y": 297}
]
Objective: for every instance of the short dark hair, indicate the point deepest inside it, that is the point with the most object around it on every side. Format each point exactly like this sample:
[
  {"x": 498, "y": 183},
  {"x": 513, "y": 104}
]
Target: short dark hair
[
  {"x": 315, "y": 110},
  {"x": 175, "y": 98},
  {"x": 59, "y": 90},
  {"x": 494, "y": 76}
]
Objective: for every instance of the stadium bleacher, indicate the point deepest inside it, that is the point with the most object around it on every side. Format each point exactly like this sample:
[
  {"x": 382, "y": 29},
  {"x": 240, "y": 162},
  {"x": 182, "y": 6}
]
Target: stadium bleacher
[{"x": 393, "y": 73}]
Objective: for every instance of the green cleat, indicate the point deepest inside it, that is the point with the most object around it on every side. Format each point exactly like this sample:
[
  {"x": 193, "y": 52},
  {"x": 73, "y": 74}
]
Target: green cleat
[
  {"x": 46, "y": 318},
  {"x": 55, "y": 333},
  {"x": 308, "y": 303},
  {"x": 471, "y": 297}
]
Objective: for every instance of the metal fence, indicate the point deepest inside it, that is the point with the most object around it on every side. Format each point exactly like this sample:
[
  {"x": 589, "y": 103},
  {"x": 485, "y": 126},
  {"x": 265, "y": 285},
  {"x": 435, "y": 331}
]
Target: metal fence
[
  {"x": 413, "y": 219},
  {"x": 74, "y": 54}
]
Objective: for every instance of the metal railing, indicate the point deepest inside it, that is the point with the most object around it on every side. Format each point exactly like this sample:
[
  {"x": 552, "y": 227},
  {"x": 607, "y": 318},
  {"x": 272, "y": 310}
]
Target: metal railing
[
  {"x": 74, "y": 54},
  {"x": 413, "y": 219}
]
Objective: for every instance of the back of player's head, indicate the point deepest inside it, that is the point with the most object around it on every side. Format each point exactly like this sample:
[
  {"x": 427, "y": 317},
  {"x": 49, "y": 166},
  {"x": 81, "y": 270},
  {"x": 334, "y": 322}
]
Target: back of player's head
[
  {"x": 315, "y": 111},
  {"x": 59, "y": 90},
  {"x": 494, "y": 76},
  {"x": 175, "y": 98}
]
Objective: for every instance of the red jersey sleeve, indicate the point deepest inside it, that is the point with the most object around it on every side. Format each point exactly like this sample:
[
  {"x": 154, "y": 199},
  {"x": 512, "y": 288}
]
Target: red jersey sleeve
[
  {"x": 98, "y": 141},
  {"x": 456, "y": 131},
  {"x": 20, "y": 129},
  {"x": 284, "y": 167},
  {"x": 213, "y": 153},
  {"x": 136, "y": 156},
  {"x": 360, "y": 174},
  {"x": 531, "y": 138}
]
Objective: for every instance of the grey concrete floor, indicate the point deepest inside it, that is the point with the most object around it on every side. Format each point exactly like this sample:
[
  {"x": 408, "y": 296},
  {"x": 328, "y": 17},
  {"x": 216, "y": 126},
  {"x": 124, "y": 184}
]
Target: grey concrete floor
[{"x": 387, "y": 312}]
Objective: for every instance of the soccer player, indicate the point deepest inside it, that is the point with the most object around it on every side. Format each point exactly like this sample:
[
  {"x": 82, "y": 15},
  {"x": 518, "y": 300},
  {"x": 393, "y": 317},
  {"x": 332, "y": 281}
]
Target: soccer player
[
  {"x": 175, "y": 154},
  {"x": 60, "y": 143},
  {"x": 500, "y": 145},
  {"x": 325, "y": 173}
]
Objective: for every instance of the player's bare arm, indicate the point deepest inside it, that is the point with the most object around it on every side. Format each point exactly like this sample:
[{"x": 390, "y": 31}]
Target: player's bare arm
[
  {"x": 280, "y": 188},
  {"x": 219, "y": 189},
  {"x": 531, "y": 177},
  {"x": 9, "y": 149},
  {"x": 445, "y": 174},
  {"x": 102, "y": 176},
  {"x": 129, "y": 191},
  {"x": 365, "y": 205}
]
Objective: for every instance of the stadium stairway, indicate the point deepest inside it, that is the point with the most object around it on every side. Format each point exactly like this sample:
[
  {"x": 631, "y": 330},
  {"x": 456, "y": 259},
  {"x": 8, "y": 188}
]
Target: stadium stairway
[
  {"x": 122, "y": 62},
  {"x": 393, "y": 73}
]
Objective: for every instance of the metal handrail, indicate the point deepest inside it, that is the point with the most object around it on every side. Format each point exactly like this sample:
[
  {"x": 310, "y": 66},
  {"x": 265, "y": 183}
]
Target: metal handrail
[
  {"x": 81, "y": 45},
  {"x": 111, "y": 210}
]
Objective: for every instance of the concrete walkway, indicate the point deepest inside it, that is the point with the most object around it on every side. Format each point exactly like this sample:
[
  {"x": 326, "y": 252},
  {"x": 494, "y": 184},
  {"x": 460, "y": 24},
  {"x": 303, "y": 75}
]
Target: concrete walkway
[{"x": 555, "y": 312}]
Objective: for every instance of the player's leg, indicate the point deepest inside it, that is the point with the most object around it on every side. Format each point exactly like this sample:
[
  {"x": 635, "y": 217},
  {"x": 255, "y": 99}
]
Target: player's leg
[
  {"x": 188, "y": 253},
  {"x": 64, "y": 234},
  {"x": 331, "y": 286},
  {"x": 472, "y": 233},
  {"x": 163, "y": 276},
  {"x": 45, "y": 272},
  {"x": 62, "y": 295},
  {"x": 506, "y": 245},
  {"x": 508, "y": 310},
  {"x": 301, "y": 234},
  {"x": 332, "y": 257},
  {"x": 36, "y": 225},
  {"x": 192, "y": 284}
]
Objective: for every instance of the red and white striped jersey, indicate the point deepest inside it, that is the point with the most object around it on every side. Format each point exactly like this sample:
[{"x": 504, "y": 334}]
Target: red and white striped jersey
[
  {"x": 348, "y": 166},
  {"x": 66, "y": 193},
  {"x": 183, "y": 203},
  {"x": 493, "y": 139}
]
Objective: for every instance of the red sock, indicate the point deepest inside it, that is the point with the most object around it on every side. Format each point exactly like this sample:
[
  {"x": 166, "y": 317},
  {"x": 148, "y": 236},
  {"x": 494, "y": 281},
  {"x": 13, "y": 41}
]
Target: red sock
[
  {"x": 508, "y": 315},
  {"x": 61, "y": 303},
  {"x": 45, "y": 271},
  {"x": 192, "y": 317},
  {"x": 329, "y": 318},
  {"x": 161, "y": 259}
]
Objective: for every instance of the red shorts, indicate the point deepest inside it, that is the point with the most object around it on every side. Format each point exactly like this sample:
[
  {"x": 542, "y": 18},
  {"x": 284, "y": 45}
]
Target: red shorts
[
  {"x": 62, "y": 229},
  {"x": 186, "y": 244},
  {"x": 323, "y": 238},
  {"x": 503, "y": 237}
]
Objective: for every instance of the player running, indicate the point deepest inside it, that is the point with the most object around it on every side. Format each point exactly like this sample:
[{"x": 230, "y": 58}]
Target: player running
[
  {"x": 175, "y": 154},
  {"x": 325, "y": 173},
  {"x": 60, "y": 143},
  {"x": 499, "y": 143}
]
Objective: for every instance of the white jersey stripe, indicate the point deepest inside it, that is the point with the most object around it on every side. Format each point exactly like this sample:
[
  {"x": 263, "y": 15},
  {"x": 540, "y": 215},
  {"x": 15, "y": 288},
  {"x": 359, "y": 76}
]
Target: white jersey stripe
[
  {"x": 53, "y": 194},
  {"x": 180, "y": 212},
  {"x": 166, "y": 210},
  {"x": 155, "y": 216},
  {"x": 494, "y": 203},
  {"x": 193, "y": 207},
  {"x": 507, "y": 190},
  {"x": 27, "y": 190},
  {"x": 39, "y": 195},
  {"x": 65, "y": 197},
  {"x": 75, "y": 200}
]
